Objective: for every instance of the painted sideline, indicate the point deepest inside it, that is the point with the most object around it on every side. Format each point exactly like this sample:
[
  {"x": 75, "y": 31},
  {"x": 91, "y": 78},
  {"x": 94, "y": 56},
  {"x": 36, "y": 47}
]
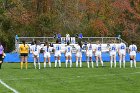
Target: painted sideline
[{"x": 7, "y": 86}]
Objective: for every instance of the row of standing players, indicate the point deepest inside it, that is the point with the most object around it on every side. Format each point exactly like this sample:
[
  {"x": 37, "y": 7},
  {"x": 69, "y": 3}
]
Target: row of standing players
[{"x": 113, "y": 49}]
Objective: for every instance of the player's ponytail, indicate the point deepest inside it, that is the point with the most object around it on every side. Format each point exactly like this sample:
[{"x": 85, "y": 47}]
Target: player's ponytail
[
  {"x": 80, "y": 44},
  {"x": 68, "y": 43},
  {"x": 35, "y": 42},
  {"x": 23, "y": 43},
  {"x": 47, "y": 44}
]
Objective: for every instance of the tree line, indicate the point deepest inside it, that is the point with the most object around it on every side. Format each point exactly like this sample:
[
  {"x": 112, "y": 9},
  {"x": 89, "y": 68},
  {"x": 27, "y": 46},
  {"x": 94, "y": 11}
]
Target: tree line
[{"x": 90, "y": 17}]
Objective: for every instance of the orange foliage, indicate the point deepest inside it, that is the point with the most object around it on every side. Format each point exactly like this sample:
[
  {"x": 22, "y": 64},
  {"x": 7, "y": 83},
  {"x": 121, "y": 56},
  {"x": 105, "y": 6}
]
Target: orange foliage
[{"x": 100, "y": 26}]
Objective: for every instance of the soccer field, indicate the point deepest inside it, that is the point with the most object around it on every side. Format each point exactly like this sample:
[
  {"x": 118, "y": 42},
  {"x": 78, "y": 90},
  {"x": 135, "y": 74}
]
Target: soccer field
[{"x": 70, "y": 80}]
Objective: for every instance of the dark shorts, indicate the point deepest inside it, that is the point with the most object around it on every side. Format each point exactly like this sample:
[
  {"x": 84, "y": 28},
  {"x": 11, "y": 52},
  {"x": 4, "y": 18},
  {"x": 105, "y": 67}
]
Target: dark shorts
[
  {"x": 24, "y": 54},
  {"x": 1, "y": 57}
]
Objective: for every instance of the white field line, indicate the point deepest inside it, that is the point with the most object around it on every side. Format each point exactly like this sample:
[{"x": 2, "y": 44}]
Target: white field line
[
  {"x": 73, "y": 77},
  {"x": 7, "y": 86}
]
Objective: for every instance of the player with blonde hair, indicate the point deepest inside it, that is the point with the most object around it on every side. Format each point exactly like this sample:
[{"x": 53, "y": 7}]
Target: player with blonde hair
[
  {"x": 89, "y": 54},
  {"x": 113, "y": 50},
  {"x": 122, "y": 53},
  {"x": 98, "y": 53}
]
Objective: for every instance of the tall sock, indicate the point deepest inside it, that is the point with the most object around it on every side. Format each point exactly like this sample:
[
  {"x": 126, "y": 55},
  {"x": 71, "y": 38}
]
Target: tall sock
[
  {"x": 21, "y": 65},
  {"x": 97, "y": 63},
  {"x": 44, "y": 64},
  {"x": 120, "y": 63},
  {"x": 66, "y": 63},
  {"x": 124, "y": 61},
  {"x": 55, "y": 63},
  {"x": 80, "y": 63},
  {"x": 87, "y": 59},
  {"x": 35, "y": 64},
  {"x": 26, "y": 63},
  {"x": 124, "y": 64},
  {"x": 134, "y": 63},
  {"x": 115, "y": 63},
  {"x": 111, "y": 63},
  {"x": 88, "y": 64},
  {"x": 49, "y": 64},
  {"x": 102, "y": 63},
  {"x": 131, "y": 62},
  {"x": 77, "y": 63},
  {"x": 70, "y": 63},
  {"x": 59, "y": 63},
  {"x": 92, "y": 65},
  {"x": 38, "y": 65}
]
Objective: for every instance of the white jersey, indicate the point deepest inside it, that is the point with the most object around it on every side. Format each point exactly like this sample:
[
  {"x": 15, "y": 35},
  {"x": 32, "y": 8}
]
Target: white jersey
[
  {"x": 31, "y": 48},
  {"x": 89, "y": 50},
  {"x": 113, "y": 49},
  {"x": 78, "y": 51},
  {"x": 133, "y": 49},
  {"x": 122, "y": 48},
  {"x": 98, "y": 50},
  {"x": 68, "y": 50},
  {"x": 46, "y": 51},
  {"x": 36, "y": 50},
  {"x": 57, "y": 50}
]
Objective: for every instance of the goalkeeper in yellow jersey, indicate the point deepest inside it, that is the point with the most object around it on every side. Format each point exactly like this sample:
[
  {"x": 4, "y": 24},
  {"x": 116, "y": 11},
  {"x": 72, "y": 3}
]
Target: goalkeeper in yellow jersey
[{"x": 24, "y": 50}]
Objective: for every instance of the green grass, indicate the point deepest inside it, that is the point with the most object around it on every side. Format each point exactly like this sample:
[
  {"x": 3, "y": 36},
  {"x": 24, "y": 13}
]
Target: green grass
[{"x": 70, "y": 80}]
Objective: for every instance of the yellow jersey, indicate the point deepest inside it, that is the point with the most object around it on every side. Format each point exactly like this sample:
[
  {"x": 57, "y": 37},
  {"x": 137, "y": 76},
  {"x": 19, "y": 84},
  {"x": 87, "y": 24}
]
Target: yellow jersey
[{"x": 23, "y": 48}]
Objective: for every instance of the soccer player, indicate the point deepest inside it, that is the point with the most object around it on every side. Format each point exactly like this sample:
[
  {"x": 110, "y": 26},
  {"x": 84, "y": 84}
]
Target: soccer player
[
  {"x": 47, "y": 54},
  {"x": 79, "y": 54},
  {"x": 24, "y": 50},
  {"x": 98, "y": 53},
  {"x": 132, "y": 52},
  {"x": 113, "y": 50},
  {"x": 89, "y": 53},
  {"x": 122, "y": 53},
  {"x": 68, "y": 54},
  {"x": 57, "y": 53},
  {"x": 36, "y": 51},
  {"x": 1, "y": 54}
]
